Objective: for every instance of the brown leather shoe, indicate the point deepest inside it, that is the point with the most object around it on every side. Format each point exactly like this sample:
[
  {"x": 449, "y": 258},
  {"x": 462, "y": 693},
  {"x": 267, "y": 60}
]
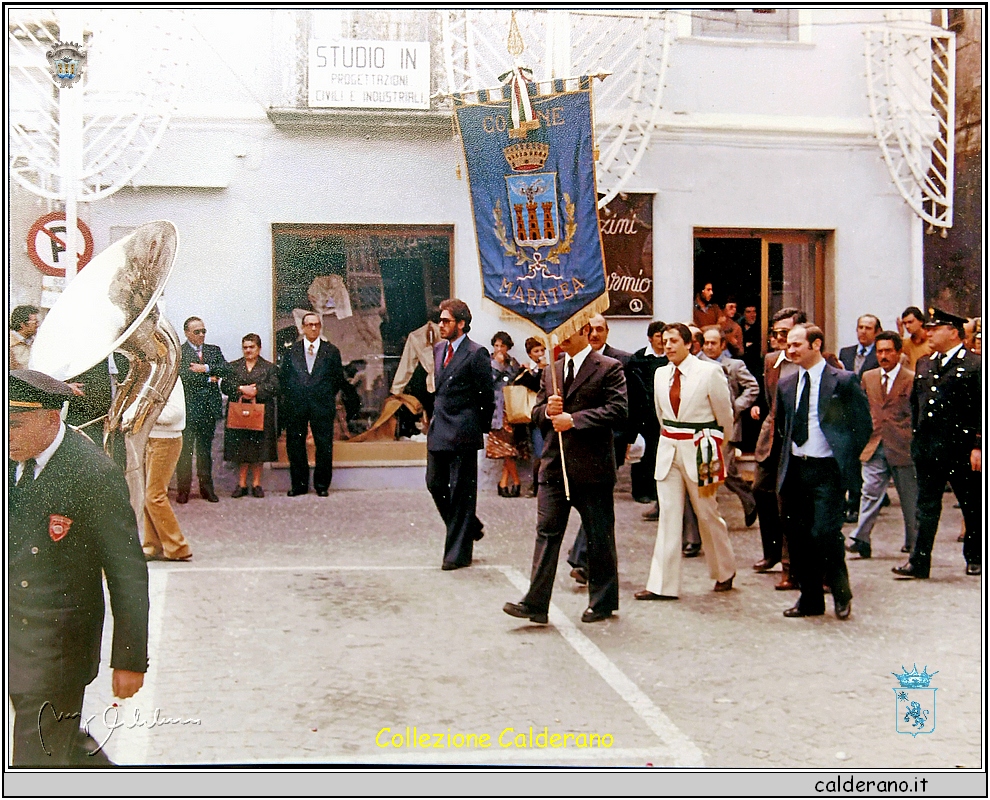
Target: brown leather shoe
[
  {"x": 785, "y": 585},
  {"x": 764, "y": 565},
  {"x": 580, "y": 574},
  {"x": 646, "y": 594},
  {"x": 724, "y": 586}
]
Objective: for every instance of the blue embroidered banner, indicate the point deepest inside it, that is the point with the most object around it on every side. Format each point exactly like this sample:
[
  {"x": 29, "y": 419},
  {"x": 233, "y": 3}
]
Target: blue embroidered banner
[{"x": 535, "y": 206}]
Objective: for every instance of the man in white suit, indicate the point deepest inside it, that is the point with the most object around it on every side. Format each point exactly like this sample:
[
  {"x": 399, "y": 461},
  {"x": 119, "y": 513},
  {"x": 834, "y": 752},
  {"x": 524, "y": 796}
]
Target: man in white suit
[{"x": 695, "y": 413}]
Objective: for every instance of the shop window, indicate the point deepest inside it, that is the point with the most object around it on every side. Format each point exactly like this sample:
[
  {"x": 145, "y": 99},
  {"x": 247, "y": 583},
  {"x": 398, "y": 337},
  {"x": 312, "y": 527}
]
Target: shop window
[
  {"x": 765, "y": 24},
  {"x": 372, "y": 286}
]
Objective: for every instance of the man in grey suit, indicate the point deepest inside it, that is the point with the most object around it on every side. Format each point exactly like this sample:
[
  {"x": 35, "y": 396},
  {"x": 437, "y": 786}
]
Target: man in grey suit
[
  {"x": 462, "y": 414},
  {"x": 744, "y": 391},
  {"x": 822, "y": 423},
  {"x": 582, "y": 399}
]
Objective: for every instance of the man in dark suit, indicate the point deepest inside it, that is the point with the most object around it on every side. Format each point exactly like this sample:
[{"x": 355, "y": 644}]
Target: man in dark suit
[
  {"x": 822, "y": 424},
  {"x": 95, "y": 390},
  {"x": 462, "y": 414},
  {"x": 948, "y": 434},
  {"x": 312, "y": 373},
  {"x": 582, "y": 400},
  {"x": 200, "y": 370},
  {"x": 888, "y": 453},
  {"x": 640, "y": 369},
  {"x": 859, "y": 358},
  {"x": 577, "y": 557},
  {"x": 772, "y": 534},
  {"x": 70, "y": 524}
]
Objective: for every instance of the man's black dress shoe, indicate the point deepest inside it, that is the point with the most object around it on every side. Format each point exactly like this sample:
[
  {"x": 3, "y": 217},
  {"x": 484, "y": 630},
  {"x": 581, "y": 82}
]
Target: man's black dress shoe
[
  {"x": 905, "y": 549},
  {"x": 652, "y": 514},
  {"x": 909, "y": 570},
  {"x": 207, "y": 493},
  {"x": 750, "y": 517},
  {"x": 590, "y": 615},
  {"x": 523, "y": 611},
  {"x": 691, "y": 550},
  {"x": 479, "y": 531},
  {"x": 765, "y": 565},
  {"x": 843, "y": 610},
  {"x": 974, "y": 569},
  {"x": 240, "y": 491},
  {"x": 886, "y": 501},
  {"x": 864, "y": 549},
  {"x": 796, "y": 611},
  {"x": 852, "y": 515},
  {"x": 322, "y": 492},
  {"x": 297, "y": 492},
  {"x": 646, "y": 594},
  {"x": 182, "y": 498},
  {"x": 447, "y": 566},
  {"x": 580, "y": 574}
]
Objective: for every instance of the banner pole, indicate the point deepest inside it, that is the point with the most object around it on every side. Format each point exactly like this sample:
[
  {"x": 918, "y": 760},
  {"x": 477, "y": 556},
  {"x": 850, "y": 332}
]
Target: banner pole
[{"x": 551, "y": 343}]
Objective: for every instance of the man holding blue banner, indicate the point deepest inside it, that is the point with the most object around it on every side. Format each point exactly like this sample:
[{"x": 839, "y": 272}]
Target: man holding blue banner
[{"x": 530, "y": 154}]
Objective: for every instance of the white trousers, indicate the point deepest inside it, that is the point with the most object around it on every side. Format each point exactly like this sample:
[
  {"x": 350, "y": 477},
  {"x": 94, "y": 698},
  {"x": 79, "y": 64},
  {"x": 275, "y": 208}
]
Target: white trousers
[{"x": 665, "y": 568}]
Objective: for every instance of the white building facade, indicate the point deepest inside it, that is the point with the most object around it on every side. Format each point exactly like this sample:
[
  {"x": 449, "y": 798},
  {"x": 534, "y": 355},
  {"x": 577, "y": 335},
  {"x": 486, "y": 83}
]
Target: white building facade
[{"x": 760, "y": 158}]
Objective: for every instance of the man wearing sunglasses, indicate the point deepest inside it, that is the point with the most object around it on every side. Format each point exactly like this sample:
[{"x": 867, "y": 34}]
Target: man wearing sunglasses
[
  {"x": 776, "y": 366},
  {"x": 200, "y": 370},
  {"x": 462, "y": 414}
]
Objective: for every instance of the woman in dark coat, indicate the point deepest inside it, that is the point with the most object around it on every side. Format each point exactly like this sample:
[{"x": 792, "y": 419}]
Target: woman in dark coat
[{"x": 252, "y": 378}]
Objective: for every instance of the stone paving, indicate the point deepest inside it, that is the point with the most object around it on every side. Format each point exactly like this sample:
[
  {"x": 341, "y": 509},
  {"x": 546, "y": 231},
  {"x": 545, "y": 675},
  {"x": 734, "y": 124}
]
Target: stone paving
[{"x": 305, "y": 626}]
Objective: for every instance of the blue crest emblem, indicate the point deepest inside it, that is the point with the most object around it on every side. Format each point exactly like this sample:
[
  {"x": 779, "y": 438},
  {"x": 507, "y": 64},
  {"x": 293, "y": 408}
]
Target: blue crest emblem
[
  {"x": 533, "y": 208},
  {"x": 914, "y": 701},
  {"x": 66, "y": 60}
]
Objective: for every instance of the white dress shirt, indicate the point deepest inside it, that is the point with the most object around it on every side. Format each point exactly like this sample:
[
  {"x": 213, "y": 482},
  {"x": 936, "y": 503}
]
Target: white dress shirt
[
  {"x": 890, "y": 376},
  {"x": 948, "y": 356},
  {"x": 311, "y": 349},
  {"x": 577, "y": 359},
  {"x": 817, "y": 445}
]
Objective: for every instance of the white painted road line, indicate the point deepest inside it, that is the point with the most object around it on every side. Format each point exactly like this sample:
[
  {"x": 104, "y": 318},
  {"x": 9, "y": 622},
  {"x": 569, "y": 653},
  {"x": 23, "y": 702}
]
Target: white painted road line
[{"x": 684, "y": 752}]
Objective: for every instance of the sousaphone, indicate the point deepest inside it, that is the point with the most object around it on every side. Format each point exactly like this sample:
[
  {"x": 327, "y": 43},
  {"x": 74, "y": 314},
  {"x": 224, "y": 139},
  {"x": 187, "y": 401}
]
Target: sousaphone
[{"x": 113, "y": 305}]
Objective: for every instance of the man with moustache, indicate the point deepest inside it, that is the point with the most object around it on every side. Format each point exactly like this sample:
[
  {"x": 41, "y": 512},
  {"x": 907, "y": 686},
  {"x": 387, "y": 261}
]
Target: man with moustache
[
  {"x": 822, "y": 424},
  {"x": 311, "y": 376},
  {"x": 462, "y": 414},
  {"x": 582, "y": 400},
  {"x": 948, "y": 435},
  {"x": 888, "y": 453}
]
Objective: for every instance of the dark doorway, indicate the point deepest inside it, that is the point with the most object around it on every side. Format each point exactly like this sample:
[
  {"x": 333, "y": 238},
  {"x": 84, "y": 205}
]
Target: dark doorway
[{"x": 732, "y": 266}]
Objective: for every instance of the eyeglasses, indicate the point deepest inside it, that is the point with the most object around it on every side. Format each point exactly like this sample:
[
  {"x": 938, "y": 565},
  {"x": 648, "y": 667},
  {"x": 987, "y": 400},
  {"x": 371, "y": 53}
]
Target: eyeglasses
[
  {"x": 198, "y": 330},
  {"x": 312, "y": 324},
  {"x": 448, "y": 320},
  {"x": 779, "y": 333}
]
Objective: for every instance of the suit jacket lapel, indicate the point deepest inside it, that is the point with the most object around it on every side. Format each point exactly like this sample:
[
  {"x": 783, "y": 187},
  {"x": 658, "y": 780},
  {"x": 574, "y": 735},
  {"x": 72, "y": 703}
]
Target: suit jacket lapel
[{"x": 825, "y": 388}]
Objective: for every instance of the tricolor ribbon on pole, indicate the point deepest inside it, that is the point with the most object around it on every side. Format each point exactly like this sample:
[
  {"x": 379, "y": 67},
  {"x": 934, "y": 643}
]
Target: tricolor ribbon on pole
[{"x": 520, "y": 109}]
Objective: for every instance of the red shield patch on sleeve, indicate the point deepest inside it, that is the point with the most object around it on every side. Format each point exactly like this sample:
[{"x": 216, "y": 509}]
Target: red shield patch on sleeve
[{"x": 58, "y": 526}]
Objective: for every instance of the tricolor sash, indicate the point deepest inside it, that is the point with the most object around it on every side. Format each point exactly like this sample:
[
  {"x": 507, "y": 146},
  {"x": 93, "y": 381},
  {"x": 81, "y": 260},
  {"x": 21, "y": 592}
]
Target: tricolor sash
[{"x": 707, "y": 438}]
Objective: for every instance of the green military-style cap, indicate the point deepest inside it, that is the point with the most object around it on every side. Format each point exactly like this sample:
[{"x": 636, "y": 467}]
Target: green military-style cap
[{"x": 29, "y": 390}]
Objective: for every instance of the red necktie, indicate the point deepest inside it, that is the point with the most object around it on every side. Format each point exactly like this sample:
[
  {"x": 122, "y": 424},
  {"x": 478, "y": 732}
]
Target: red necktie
[
  {"x": 675, "y": 391},
  {"x": 450, "y": 354}
]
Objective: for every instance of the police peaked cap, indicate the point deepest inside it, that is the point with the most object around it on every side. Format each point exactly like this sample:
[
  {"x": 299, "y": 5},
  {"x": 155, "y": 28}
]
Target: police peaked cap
[
  {"x": 28, "y": 390},
  {"x": 938, "y": 317}
]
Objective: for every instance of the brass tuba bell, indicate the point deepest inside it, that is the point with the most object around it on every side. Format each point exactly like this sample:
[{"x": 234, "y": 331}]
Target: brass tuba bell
[{"x": 113, "y": 305}]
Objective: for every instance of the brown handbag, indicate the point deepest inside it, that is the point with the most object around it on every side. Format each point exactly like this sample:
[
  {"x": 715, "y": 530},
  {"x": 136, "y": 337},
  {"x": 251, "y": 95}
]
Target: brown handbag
[{"x": 246, "y": 416}]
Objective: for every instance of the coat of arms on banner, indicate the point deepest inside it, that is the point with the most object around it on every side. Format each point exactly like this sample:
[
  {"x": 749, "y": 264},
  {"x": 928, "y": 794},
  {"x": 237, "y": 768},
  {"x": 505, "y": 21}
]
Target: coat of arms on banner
[
  {"x": 66, "y": 60},
  {"x": 914, "y": 701}
]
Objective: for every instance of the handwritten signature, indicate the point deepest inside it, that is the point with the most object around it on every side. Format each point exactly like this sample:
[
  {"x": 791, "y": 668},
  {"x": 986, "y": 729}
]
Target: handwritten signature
[{"x": 112, "y": 721}]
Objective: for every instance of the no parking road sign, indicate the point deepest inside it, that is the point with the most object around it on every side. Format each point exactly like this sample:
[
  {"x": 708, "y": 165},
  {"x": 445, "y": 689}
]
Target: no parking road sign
[{"x": 46, "y": 244}]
